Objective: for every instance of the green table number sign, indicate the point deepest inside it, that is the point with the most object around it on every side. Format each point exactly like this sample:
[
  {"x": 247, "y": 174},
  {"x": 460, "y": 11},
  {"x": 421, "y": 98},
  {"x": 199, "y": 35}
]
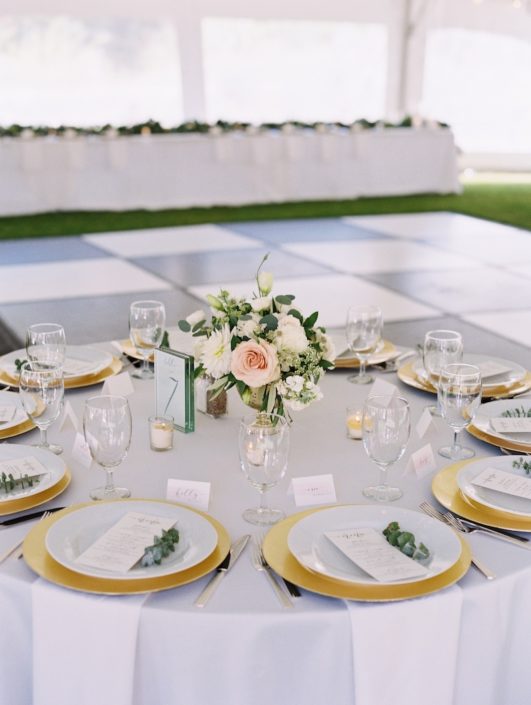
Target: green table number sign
[{"x": 174, "y": 387}]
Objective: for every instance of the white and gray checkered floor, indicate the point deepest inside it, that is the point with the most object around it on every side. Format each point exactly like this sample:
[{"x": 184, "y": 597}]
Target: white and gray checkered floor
[{"x": 432, "y": 270}]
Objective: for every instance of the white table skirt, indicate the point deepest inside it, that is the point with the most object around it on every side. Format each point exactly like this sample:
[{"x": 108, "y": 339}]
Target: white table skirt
[
  {"x": 244, "y": 648},
  {"x": 165, "y": 171}
]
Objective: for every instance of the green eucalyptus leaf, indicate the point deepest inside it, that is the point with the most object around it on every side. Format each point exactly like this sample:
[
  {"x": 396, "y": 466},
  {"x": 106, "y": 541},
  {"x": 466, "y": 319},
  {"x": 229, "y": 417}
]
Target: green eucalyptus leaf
[
  {"x": 184, "y": 326},
  {"x": 310, "y": 321}
]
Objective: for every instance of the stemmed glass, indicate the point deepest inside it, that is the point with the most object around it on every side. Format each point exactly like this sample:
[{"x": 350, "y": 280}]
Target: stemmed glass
[
  {"x": 46, "y": 344},
  {"x": 459, "y": 396},
  {"x": 385, "y": 432},
  {"x": 264, "y": 447},
  {"x": 441, "y": 348},
  {"x": 42, "y": 390},
  {"x": 364, "y": 333},
  {"x": 146, "y": 330},
  {"x": 107, "y": 426}
]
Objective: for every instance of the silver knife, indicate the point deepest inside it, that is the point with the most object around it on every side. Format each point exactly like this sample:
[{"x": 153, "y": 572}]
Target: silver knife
[{"x": 222, "y": 569}]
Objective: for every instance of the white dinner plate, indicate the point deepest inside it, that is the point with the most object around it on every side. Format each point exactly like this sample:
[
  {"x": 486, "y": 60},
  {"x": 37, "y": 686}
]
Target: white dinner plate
[
  {"x": 12, "y": 399},
  {"x": 55, "y": 468},
  {"x": 80, "y": 360},
  {"x": 309, "y": 545},
  {"x": 515, "y": 374},
  {"x": 70, "y": 536},
  {"x": 491, "y": 498},
  {"x": 493, "y": 410}
]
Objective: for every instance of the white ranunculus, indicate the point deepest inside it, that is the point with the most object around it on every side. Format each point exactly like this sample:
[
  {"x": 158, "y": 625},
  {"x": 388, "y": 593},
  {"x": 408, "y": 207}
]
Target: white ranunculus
[
  {"x": 195, "y": 317},
  {"x": 295, "y": 383},
  {"x": 246, "y": 329},
  {"x": 261, "y": 304},
  {"x": 290, "y": 335},
  {"x": 216, "y": 353},
  {"x": 265, "y": 282}
]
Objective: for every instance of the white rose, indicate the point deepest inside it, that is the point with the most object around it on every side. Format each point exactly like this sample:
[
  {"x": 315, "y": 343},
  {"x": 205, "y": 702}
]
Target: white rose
[
  {"x": 290, "y": 335},
  {"x": 195, "y": 317},
  {"x": 261, "y": 303},
  {"x": 246, "y": 328},
  {"x": 327, "y": 344},
  {"x": 265, "y": 282}
]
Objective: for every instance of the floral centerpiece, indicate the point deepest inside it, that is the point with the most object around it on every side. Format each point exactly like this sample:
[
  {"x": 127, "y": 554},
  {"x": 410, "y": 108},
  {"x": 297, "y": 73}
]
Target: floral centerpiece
[{"x": 263, "y": 346}]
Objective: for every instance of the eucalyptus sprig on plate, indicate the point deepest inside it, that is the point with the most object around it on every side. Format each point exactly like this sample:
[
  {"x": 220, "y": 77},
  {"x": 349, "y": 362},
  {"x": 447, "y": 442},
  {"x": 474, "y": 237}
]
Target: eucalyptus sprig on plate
[
  {"x": 162, "y": 547},
  {"x": 522, "y": 464},
  {"x": 517, "y": 413},
  {"x": 405, "y": 542},
  {"x": 9, "y": 483}
]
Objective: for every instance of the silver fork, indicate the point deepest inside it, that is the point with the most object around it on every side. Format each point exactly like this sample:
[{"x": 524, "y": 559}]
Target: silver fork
[
  {"x": 260, "y": 563},
  {"x": 17, "y": 548},
  {"x": 466, "y": 528},
  {"x": 435, "y": 514},
  {"x": 291, "y": 587}
]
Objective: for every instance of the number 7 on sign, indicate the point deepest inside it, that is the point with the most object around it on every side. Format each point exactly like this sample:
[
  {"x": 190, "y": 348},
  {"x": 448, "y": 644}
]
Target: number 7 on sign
[{"x": 172, "y": 393}]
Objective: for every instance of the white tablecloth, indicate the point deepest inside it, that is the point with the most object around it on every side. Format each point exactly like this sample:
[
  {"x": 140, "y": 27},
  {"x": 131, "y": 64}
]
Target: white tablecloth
[
  {"x": 243, "y": 647},
  {"x": 164, "y": 171}
]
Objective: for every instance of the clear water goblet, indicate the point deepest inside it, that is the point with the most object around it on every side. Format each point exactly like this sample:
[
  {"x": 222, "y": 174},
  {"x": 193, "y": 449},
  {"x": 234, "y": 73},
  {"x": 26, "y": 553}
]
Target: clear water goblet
[
  {"x": 459, "y": 397},
  {"x": 441, "y": 348},
  {"x": 42, "y": 391},
  {"x": 146, "y": 330},
  {"x": 46, "y": 344},
  {"x": 364, "y": 334}
]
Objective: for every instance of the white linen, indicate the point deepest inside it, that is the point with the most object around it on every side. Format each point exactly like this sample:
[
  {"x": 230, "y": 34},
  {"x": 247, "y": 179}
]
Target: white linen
[
  {"x": 398, "y": 658},
  {"x": 84, "y": 646},
  {"x": 164, "y": 171}
]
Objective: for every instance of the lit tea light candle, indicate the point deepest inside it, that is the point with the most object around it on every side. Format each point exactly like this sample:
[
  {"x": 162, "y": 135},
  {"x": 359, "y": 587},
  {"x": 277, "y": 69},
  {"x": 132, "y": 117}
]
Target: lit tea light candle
[
  {"x": 354, "y": 419},
  {"x": 161, "y": 432}
]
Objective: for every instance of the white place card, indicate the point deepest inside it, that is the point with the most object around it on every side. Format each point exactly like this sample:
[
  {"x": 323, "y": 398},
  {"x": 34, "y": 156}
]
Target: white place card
[
  {"x": 369, "y": 549},
  {"x": 421, "y": 462},
  {"x": 80, "y": 451},
  {"x": 124, "y": 543},
  {"x": 490, "y": 368},
  {"x": 505, "y": 482},
  {"x": 194, "y": 494},
  {"x": 69, "y": 419},
  {"x": 120, "y": 385},
  {"x": 312, "y": 490},
  {"x": 424, "y": 424},
  {"x": 7, "y": 412},
  {"x": 18, "y": 467},
  {"x": 382, "y": 388},
  {"x": 511, "y": 425}
]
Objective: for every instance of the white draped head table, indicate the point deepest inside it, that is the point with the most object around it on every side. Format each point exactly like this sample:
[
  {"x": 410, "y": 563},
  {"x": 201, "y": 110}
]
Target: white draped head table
[{"x": 465, "y": 645}]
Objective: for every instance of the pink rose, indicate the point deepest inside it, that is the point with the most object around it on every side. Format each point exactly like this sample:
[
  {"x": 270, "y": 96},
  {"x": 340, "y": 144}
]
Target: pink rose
[{"x": 255, "y": 363}]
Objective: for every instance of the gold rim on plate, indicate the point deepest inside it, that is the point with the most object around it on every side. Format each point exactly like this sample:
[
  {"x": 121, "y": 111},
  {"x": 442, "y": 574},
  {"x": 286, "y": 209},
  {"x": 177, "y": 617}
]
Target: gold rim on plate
[
  {"x": 12, "y": 506},
  {"x": 41, "y": 562},
  {"x": 508, "y": 444},
  {"x": 279, "y": 557},
  {"x": 18, "y": 429},
  {"x": 387, "y": 352},
  {"x": 446, "y": 490},
  {"x": 407, "y": 375},
  {"x": 75, "y": 382}
]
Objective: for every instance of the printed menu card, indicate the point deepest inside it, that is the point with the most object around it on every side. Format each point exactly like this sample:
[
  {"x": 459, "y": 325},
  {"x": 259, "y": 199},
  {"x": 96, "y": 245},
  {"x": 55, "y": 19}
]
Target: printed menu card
[
  {"x": 505, "y": 482},
  {"x": 511, "y": 425},
  {"x": 369, "y": 550},
  {"x": 7, "y": 412},
  {"x": 124, "y": 543},
  {"x": 19, "y": 467}
]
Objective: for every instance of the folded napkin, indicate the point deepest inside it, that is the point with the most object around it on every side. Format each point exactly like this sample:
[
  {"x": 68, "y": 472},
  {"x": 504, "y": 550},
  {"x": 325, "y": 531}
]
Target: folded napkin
[
  {"x": 84, "y": 646},
  {"x": 405, "y": 653}
]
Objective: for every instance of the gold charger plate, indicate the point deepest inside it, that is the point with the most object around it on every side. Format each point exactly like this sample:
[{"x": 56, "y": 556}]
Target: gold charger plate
[
  {"x": 22, "y": 427},
  {"x": 19, "y": 505},
  {"x": 76, "y": 382},
  {"x": 386, "y": 352},
  {"x": 446, "y": 490},
  {"x": 40, "y": 561},
  {"x": 498, "y": 442},
  {"x": 279, "y": 557},
  {"x": 407, "y": 375}
]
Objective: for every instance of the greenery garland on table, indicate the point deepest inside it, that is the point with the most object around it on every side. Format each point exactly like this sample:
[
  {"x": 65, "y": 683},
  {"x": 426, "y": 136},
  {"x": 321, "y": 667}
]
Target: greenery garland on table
[{"x": 196, "y": 127}]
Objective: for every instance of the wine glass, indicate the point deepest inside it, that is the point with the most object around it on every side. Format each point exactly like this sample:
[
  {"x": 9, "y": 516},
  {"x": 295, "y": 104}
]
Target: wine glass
[
  {"x": 385, "y": 433},
  {"x": 441, "y": 348},
  {"x": 46, "y": 344},
  {"x": 42, "y": 390},
  {"x": 364, "y": 333},
  {"x": 107, "y": 426},
  {"x": 264, "y": 447},
  {"x": 459, "y": 396},
  {"x": 146, "y": 330}
]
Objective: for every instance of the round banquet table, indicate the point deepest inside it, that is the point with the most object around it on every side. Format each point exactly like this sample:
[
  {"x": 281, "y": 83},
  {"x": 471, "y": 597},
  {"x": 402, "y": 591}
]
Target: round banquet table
[{"x": 466, "y": 644}]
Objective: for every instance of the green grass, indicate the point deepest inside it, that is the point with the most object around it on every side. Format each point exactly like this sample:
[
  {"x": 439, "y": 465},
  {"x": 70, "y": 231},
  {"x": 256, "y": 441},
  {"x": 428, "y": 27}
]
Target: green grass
[{"x": 504, "y": 203}]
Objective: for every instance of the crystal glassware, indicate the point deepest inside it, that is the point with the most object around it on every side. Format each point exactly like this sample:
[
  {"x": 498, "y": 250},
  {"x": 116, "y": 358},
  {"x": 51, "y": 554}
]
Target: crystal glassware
[
  {"x": 385, "y": 432},
  {"x": 364, "y": 334},
  {"x": 46, "y": 344},
  {"x": 42, "y": 391},
  {"x": 459, "y": 396},
  {"x": 264, "y": 447},
  {"x": 107, "y": 426},
  {"x": 146, "y": 330},
  {"x": 441, "y": 348}
]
